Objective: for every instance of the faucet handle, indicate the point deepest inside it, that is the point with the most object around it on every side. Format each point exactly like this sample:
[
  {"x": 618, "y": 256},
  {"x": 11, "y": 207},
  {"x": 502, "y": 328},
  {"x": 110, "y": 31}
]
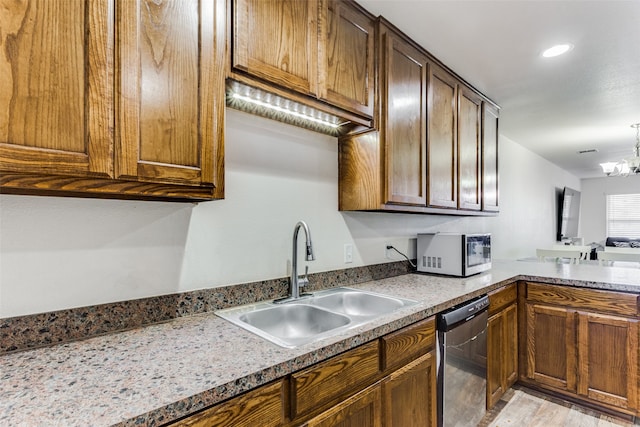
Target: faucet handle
[{"x": 304, "y": 281}]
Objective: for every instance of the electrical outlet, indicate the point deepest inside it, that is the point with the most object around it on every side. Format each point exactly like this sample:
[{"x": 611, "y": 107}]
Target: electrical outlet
[
  {"x": 348, "y": 253},
  {"x": 387, "y": 252}
]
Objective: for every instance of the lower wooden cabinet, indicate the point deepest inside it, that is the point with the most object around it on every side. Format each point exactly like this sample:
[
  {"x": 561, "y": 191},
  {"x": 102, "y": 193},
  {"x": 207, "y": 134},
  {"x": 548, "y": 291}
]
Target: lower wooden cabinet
[
  {"x": 409, "y": 394},
  {"x": 502, "y": 343},
  {"x": 583, "y": 343},
  {"x": 114, "y": 99}
]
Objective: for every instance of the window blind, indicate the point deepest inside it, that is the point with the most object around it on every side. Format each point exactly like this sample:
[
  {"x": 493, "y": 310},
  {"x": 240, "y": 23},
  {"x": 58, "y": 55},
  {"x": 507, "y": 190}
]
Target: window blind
[{"x": 623, "y": 215}]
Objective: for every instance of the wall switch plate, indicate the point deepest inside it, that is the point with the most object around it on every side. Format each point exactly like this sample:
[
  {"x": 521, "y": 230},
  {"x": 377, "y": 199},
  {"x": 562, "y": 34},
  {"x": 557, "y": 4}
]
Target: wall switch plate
[{"x": 348, "y": 253}]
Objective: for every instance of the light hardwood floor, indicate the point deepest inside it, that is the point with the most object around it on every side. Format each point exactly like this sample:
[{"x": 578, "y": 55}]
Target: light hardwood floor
[{"x": 523, "y": 407}]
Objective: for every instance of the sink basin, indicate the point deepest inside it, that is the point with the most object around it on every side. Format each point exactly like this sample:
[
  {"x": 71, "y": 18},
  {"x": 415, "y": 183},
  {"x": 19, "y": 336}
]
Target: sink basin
[
  {"x": 313, "y": 318},
  {"x": 290, "y": 322},
  {"x": 357, "y": 303}
]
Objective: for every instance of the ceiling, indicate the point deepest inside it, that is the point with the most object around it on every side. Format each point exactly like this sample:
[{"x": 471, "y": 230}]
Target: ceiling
[{"x": 586, "y": 99}]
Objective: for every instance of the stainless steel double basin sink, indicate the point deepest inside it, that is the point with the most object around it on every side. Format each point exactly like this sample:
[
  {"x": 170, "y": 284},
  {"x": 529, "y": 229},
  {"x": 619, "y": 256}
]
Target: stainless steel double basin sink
[{"x": 312, "y": 318}]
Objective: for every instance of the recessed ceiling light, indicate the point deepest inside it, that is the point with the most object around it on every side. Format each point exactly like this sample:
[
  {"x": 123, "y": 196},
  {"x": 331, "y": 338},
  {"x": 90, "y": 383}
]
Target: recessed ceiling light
[{"x": 556, "y": 50}]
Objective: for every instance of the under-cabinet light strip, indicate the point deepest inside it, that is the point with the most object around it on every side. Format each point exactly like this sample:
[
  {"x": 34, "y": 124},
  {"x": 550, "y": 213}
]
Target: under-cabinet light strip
[{"x": 284, "y": 110}]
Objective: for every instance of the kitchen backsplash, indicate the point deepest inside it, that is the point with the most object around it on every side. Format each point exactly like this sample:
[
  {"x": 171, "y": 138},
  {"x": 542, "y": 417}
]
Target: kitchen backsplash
[{"x": 37, "y": 330}]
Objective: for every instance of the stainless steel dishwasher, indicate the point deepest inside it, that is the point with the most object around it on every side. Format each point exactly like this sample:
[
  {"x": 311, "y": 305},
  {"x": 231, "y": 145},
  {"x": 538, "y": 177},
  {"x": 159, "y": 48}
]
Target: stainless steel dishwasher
[{"x": 462, "y": 364}]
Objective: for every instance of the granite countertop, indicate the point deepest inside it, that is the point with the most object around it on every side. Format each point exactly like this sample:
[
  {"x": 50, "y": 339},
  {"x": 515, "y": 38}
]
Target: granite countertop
[{"x": 158, "y": 373}]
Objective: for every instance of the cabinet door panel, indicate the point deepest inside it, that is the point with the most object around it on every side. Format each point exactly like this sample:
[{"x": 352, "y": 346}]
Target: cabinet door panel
[
  {"x": 495, "y": 339},
  {"x": 171, "y": 101},
  {"x": 442, "y": 139},
  {"x": 364, "y": 409},
  {"x": 469, "y": 149},
  {"x": 409, "y": 394},
  {"x": 510, "y": 346},
  {"x": 551, "y": 350},
  {"x": 277, "y": 41},
  {"x": 608, "y": 359},
  {"x": 489, "y": 158},
  {"x": 502, "y": 346},
  {"x": 346, "y": 57},
  {"x": 56, "y": 95},
  {"x": 404, "y": 115}
]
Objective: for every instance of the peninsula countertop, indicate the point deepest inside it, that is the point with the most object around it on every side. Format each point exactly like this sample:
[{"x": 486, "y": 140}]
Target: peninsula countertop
[{"x": 158, "y": 373}]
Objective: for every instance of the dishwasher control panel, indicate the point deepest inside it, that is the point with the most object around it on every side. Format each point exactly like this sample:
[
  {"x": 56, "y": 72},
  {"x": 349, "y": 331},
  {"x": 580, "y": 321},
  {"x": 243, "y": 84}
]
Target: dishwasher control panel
[{"x": 467, "y": 311}]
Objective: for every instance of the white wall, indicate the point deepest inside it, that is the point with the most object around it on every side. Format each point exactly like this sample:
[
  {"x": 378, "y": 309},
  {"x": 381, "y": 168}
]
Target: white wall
[
  {"x": 593, "y": 203},
  {"x": 67, "y": 252}
]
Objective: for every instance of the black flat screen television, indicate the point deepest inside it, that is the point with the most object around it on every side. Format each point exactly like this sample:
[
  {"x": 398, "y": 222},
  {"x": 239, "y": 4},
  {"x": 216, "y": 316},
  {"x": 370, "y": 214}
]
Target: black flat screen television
[{"x": 568, "y": 214}]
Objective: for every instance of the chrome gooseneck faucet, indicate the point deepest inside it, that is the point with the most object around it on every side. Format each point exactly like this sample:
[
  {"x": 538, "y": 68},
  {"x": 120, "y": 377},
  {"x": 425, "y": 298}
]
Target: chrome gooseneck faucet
[{"x": 295, "y": 282}]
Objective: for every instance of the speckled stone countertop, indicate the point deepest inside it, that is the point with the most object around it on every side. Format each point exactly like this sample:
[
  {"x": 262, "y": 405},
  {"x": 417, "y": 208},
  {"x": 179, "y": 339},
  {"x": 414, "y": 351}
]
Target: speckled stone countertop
[{"x": 158, "y": 373}]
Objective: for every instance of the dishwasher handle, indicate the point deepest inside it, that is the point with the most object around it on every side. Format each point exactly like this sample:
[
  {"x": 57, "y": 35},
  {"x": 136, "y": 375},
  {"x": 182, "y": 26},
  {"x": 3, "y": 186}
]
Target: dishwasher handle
[{"x": 450, "y": 319}]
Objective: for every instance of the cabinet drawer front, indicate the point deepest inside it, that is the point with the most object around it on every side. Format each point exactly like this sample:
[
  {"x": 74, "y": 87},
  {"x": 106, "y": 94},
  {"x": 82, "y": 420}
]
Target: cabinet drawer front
[
  {"x": 334, "y": 379},
  {"x": 407, "y": 344},
  {"x": 588, "y": 299},
  {"x": 263, "y": 407},
  {"x": 501, "y": 298}
]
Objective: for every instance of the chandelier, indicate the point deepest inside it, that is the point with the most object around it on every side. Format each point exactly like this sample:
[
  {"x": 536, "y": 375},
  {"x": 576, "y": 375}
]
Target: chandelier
[{"x": 628, "y": 166}]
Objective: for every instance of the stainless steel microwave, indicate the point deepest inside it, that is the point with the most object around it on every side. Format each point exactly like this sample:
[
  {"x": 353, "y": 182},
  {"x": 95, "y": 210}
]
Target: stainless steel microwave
[{"x": 454, "y": 254}]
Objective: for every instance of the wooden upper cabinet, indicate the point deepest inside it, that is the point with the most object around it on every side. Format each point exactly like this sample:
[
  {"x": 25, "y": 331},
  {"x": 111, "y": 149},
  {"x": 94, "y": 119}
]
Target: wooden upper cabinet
[
  {"x": 490, "y": 118},
  {"x": 426, "y": 155},
  {"x": 403, "y": 104},
  {"x": 469, "y": 148},
  {"x": 442, "y": 144},
  {"x": 346, "y": 54},
  {"x": 113, "y": 98},
  {"x": 277, "y": 41},
  {"x": 170, "y": 109},
  {"x": 321, "y": 49},
  {"x": 56, "y": 103}
]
